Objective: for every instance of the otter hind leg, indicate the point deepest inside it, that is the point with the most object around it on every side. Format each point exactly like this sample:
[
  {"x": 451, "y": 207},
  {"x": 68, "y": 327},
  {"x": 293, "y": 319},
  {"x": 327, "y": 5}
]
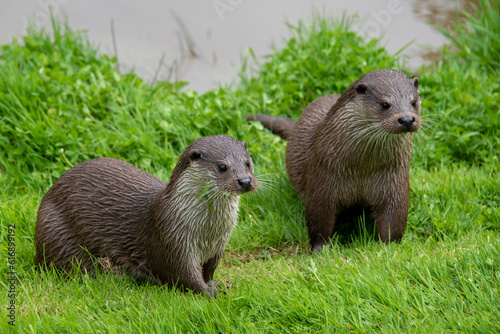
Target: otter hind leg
[{"x": 55, "y": 244}]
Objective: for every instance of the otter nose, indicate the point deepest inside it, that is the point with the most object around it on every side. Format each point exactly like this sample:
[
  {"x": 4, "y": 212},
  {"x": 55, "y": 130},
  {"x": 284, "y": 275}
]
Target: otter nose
[
  {"x": 245, "y": 183},
  {"x": 406, "y": 121}
]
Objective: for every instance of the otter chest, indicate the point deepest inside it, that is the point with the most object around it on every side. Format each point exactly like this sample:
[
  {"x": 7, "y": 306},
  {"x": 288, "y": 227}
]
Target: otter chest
[{"x": 210, "y": 225}]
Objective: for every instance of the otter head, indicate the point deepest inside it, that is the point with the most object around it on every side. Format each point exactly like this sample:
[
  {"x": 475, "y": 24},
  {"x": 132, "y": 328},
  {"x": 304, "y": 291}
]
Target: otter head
[
  {"x": 390, "y": 98},
  {"x": 221, "y": 162}
]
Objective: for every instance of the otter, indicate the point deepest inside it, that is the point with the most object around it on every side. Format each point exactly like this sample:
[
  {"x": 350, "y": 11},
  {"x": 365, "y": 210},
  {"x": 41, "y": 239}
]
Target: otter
[
  {"x": 171, "y": 233},
  {"x": 352, "y": 152}
]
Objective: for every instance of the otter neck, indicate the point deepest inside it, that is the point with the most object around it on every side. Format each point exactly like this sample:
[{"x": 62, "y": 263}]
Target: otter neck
[
  {"x": 356, "y": 140},
  {"x": 197, "y": 212}
]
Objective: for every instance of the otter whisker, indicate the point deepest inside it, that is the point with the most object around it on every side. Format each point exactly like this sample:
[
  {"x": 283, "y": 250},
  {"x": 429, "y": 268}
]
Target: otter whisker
[
  {"x": 369, "y": 144},
  {"x": 265, "y": 174},
  {"x": 360, "y": 136},
  {"x": 427, "y": 125},
  {"x": 268, "y": 182},
  {"x": 265, "y": 191},
  {"x": 425, "y": 131}
]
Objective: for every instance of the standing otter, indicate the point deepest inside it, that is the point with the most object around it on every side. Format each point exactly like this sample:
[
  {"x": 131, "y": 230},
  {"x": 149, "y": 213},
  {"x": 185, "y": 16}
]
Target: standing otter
[
  {"x": 352, "y": 152},
  {"x": 173, "y": 233}
]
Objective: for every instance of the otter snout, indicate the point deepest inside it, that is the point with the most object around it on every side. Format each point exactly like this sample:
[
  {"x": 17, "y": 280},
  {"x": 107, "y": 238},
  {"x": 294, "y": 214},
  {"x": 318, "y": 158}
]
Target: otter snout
[
  {"x": 408, "y": 123},
  {"x": 401, "y": 123},
  {"x": 245, "y": 184}
]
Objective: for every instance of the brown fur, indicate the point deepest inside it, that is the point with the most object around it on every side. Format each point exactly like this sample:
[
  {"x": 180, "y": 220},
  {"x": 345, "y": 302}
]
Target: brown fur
[
  {"x": 347, "y": 152},
  {"x": 172, "y": 233},
  {"x": 278, "y": 125}
]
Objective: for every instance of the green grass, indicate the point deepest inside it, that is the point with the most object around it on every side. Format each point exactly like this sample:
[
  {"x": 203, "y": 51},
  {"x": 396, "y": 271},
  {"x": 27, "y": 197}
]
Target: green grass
[
  {"x": 426, "y": 287},
  {"x": 61, "y": 103}
]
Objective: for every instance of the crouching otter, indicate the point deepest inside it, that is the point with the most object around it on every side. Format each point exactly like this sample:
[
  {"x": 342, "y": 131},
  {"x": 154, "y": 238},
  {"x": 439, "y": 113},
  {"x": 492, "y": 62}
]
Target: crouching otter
[{"x": 172, "y": 233}]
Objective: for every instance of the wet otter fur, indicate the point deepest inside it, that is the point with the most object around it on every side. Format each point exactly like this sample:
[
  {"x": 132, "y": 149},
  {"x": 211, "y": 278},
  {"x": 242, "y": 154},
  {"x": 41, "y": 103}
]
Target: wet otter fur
[
  {"x": 351, "y": 152},
  {"x": 172, "y": 233}
]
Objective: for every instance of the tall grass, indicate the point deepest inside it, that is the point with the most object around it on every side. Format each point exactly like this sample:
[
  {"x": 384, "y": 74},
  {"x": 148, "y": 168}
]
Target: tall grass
[
  {"x": 477, "y": 35},
  {"x": 462, "y": 92}
]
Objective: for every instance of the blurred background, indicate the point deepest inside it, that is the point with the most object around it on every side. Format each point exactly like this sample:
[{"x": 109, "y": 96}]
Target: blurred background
[{"x": 203, "y": 41}]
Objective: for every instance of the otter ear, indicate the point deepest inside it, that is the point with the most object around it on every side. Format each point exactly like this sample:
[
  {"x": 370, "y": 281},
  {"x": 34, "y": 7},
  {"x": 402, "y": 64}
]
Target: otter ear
[
  {"x": 244, "y": 143},
  {"x": 196, "y": 155},
  {"x": 415, "y": 82},
  {"x": 361, "y": 89}
]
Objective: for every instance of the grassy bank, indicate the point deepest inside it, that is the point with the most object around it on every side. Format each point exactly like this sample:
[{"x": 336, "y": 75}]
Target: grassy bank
[{"x": 61, "y": 103}]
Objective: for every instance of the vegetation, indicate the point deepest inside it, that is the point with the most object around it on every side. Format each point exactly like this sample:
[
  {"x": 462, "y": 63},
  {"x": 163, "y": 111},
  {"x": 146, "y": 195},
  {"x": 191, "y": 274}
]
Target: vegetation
[{"x": 62, "y": 103}]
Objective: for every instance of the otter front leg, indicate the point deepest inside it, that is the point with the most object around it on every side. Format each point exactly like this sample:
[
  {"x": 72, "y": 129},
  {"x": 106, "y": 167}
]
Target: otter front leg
[
  {"x": 209, "y": 269},
  {"x": 320, "y": 218},
  {"x": 390, "y": 220},
  {"x": 192, "y": 278}
]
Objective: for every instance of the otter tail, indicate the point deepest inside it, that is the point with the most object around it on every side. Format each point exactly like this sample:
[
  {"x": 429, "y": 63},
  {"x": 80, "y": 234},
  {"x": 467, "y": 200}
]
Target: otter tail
[{"x": 280, "y": 126}]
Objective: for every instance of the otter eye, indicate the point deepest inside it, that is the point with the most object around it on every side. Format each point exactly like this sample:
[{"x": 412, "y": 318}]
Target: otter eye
[
  {"x": 222, "y": 168},
  {"x": 385, "y": 105},
  {"x": 248, "y": 163},
  {"x": 414, "y": 103}
]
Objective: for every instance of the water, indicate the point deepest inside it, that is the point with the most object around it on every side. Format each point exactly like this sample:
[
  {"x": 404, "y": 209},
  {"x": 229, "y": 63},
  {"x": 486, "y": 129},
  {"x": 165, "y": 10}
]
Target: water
[{"x": 201, "y": 41}]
